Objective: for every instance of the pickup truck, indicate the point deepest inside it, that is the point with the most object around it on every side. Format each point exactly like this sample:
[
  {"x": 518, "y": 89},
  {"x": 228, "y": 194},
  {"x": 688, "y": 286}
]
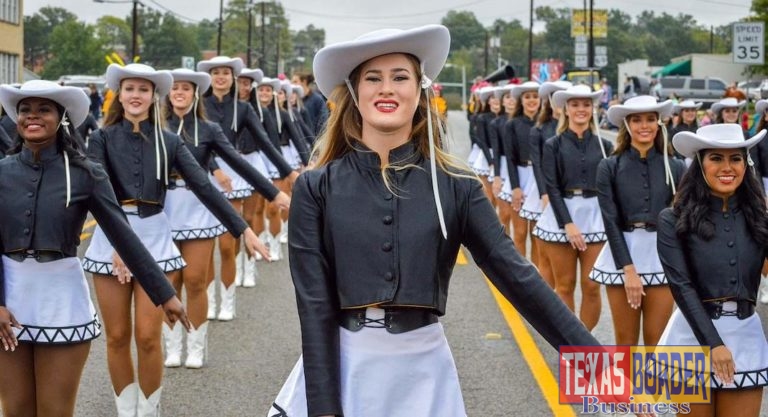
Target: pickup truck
[{"x": 705, "y": 90}]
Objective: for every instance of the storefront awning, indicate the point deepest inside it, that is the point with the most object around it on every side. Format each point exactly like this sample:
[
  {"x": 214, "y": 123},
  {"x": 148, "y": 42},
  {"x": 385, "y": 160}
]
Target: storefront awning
[{"x": 675, "y": 68}]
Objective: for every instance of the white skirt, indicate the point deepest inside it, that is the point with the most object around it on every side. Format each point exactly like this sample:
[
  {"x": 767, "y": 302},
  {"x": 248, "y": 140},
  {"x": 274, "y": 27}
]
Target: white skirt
[
  {"x": 240, "y": 187},
  {"x": 479, "y": 164},
  {"x": 532, "y": 207},
  {"x": 256, "y": 159},
  {"x": 384, "y": 375},
  {"x": 154, "y": 232},
  {"x": 188, "y": 217},
  {"x": 765, "y": 185},
  {"x": 585, "y": 213},
  {"x": 50, "y": 300},
  {"x": 642, "y": 249},
  {"x": 291, "y": 155},
  {"x": 744, "y": 338},
  {"x": 506, "y": 187}
]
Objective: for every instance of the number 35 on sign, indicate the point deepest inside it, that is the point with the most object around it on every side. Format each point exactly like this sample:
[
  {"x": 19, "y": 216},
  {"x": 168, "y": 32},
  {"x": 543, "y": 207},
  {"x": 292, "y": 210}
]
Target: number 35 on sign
[{"x": 749, "y": 43}]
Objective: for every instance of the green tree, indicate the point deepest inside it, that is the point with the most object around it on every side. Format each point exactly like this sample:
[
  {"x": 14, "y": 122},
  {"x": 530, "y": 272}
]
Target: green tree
[
  {"x": 306, "y": 42},
  {"x": 38, "y": 29},
  {"x": 114, "y": 32},
  {"x": 74, "y": 50},
  {"x": 165, "y": 43},
  {"x": 275, "y": 44},
  {"x": 205, "y": 34},
  {"x": 466, "y": 31},
  {"x": 760, "y": 10}
]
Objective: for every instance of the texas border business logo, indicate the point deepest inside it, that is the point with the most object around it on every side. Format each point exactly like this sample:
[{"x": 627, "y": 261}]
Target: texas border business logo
[{"x": 635, "y": 379}]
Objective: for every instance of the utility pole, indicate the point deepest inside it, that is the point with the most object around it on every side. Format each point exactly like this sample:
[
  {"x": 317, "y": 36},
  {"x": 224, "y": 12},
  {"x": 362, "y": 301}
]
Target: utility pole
[
  {"x": 250, "y": 33},
  {"x": 134, "y": 30},
  {"x": 591, "y": 45},
  {"x": 263, "y": 59},
  {"x": 530, "y": 45},
  {"x": 221, "y": 23},
  {"x": 485, "y": 55}
]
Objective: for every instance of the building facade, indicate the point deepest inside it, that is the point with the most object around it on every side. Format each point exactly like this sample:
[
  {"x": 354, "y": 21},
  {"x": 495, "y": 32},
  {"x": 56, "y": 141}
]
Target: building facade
[{"x": 11, "y": 41}]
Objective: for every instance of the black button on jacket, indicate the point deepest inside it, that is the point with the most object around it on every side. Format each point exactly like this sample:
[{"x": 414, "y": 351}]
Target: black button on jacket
[
  {"x": 33, "y": 214},
  {"x": 210, "y": 139},
  {"x": 129, "y": 159},
  {"x": 539, "y": 135},
  {"x": 353, "y": 244},
  {"x": 727, "y": 267},
  {"x": 633, "y": 190},
  {"x": 570, "y": 163},
  {"x": 222, "y": 113}
]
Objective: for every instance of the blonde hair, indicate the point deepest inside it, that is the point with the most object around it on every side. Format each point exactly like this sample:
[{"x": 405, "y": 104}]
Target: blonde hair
[
  {"x": 564, "y": 120},
  {"x": 344, "y": 128}
]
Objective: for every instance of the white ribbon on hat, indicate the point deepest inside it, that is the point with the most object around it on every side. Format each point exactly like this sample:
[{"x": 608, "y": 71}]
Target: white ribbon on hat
[
  {"x": 192, "y": 108},
  {"x": 234, "y": 104},
  {"x": 277, "y": 112},
  {"x": 65, "y": 123},
  {"x": 159, "y": 143},
  {"x": 426, "y": 83}
]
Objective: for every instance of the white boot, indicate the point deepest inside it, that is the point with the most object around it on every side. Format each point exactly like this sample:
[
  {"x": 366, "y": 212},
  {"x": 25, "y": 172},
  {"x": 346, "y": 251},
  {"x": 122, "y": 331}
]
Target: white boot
[
  {"x": 239, "y": 260},
  {"x": 284, "y": 232},
  {"x": 212, "y": 300},
  {"x": 249, "y": 272},
  {"x": 197, "y": 347},
  {"x": 274, "y": 248},
  {"x": 763, "y": 290},
  {"x": 127, "y": 401},
  {"x": 149, "y": 407},
  {"x": 172, "y": 341},
  {"x": 264, "y": 236},
  {"x": 227, "y": 311}
]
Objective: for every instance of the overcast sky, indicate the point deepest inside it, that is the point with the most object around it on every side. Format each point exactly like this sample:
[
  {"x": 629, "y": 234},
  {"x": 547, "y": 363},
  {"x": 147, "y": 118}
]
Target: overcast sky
[{"x": 346, "y": 19}]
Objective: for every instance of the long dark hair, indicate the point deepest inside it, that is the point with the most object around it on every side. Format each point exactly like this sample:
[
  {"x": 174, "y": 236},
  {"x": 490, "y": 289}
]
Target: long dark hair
[
  {"x": 692, "y": 209},
  {"x": 67, "y": 140}
]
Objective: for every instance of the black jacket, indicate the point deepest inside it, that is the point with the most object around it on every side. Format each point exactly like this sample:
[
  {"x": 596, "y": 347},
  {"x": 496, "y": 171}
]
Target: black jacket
[
  {"x": 317, "y": 110},
  {"x": 88, "y": 126},
  {"x": 353, "y": 243},
  {"x": 129, "y": 159},
  {"x": 5, "y": 143},
  {"x": 570, "y": 163},
  {"x": 500, "y": 141},
  {"x": 539, "y": 135},
  {"x": 482, "y": 122},
  {"x": 210, "y": 139},
  {"x": 633, "y": 190},
  {"x": 727, "y": 267},
  {"x": 222, "y": 112},
  {"x": 33, "y": 214}
]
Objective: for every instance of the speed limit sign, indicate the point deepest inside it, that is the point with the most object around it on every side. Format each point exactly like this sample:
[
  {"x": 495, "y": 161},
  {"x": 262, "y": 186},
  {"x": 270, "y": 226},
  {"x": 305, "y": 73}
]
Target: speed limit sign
[{"x": 749, "y": 43}]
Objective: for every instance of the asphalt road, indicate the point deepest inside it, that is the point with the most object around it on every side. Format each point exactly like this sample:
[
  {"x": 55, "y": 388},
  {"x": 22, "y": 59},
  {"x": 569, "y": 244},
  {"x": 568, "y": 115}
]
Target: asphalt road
[{"x": 250, "y": 357}]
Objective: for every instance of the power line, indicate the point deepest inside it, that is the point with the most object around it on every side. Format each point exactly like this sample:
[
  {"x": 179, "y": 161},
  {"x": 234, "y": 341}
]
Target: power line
[
  {"x": 346, "y": 17},
  {"x": 173, "y": 12}
]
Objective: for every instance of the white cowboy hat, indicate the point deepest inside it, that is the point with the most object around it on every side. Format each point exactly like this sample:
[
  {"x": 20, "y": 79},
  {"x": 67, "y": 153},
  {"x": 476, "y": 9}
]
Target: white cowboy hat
[
  {"x": 298, "y": 90},
  {"x": 73, "y": 99},
  {"x": 684, "y": 105},
  {"x": 727, "y": 102},
  {"x": 559, "y": 98},
  {"x": 430, "y": 44},
  {"x": 272, "y": 82},
  {"x": 200, "y": 79},
  {"x": 221, "y": 61},
  {"x": 639, "y": 104},
  {"x": 519, "y": 90},
  {"x": 761, "y": 106},
  {"x": 161, "y": 79},
  {"x": 486, "y": 92},
  {"x": 255, "y": 74},
  {"x": 499, "y": 92},
  {"x": 717, "y": 136},
  {"x": 548, "y": 88},
  {"x": 287, "y": 87}
]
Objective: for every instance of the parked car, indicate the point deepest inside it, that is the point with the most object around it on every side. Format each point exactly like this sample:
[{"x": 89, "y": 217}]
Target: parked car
[
  {"x": 764, "y": 89},
  {"x": 705, "y": 90},
  {"x": 751, "y": 88}
]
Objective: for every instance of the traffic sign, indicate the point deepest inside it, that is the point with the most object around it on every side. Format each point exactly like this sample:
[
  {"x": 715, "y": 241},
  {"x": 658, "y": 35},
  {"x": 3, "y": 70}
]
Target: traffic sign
[
  {"x": 749, "y": 43},
  {"x": 580, "y": 48},
  {"x": 188, "y": 62},
  {"x": 580, "y": 61},
  {"x": 601, "y": 61}
]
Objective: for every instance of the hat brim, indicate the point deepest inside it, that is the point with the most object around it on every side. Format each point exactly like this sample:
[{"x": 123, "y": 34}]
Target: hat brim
[
  {"x": 235, "y": 63},
  {"x": 272, "y": 82},
  {"x": 689, "y": 144},
  {"x": 519, "y": 90},
  {"x": 255, "y": 74},
  {"x": 761, "y": 106},
  {"x": 560, "y": 98},
  {"x": 161, "y": 79},
  {"x": 333, "y": 64},
  {"x": 201, "y": 79},
  {"x": 617, "y": 113},
  {"x": 72, "y": 99},
  {"x": 548, "y": 88},
  {"x": 678, "y": 107},
  {"x": 717, "y": 107}
]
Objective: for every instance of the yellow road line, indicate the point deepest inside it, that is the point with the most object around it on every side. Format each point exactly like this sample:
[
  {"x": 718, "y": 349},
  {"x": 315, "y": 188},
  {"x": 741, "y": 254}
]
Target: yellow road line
[
  {"x": 89, "y": 224},
  {"x": 461, "y": 259},
  {"x": 533, "y": 357},
  {"x": 84, "y": 236}
]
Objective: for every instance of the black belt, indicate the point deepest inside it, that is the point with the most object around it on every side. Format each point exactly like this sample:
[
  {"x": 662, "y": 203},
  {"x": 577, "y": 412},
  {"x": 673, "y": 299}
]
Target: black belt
[
  {"x": 394, "y": 321},
  {"x": 650, "y": 227},
  {"x": 744, "y": 309},
  {"x": 580, "y": 193},
  {"x": 38, "y": 255}
]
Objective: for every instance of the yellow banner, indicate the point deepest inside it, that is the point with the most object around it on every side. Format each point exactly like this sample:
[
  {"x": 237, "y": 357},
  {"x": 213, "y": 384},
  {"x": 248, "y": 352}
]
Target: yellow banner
[{"x": 580, "y": 23}]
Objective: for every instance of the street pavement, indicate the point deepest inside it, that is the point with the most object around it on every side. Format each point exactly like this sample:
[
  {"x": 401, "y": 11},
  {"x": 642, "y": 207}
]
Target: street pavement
[{"x": 250, "y": 357}]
